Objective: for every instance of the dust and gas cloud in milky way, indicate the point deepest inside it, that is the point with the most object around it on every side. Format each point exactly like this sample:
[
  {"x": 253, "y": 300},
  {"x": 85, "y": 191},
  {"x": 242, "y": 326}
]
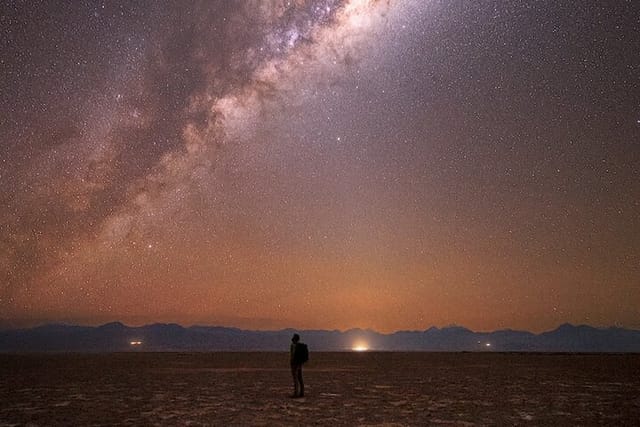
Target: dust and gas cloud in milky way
[{"x": 320, "y": 164}]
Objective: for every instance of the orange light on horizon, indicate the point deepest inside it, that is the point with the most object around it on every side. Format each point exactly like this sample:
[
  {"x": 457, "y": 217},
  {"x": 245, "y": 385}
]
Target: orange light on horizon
[{"x": 360, "y": 346}]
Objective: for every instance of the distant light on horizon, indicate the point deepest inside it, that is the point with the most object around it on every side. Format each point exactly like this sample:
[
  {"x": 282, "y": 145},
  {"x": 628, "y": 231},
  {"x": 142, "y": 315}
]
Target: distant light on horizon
[
  {"x": 360, "y": 347},
  {"x": 135, "y": 343}
]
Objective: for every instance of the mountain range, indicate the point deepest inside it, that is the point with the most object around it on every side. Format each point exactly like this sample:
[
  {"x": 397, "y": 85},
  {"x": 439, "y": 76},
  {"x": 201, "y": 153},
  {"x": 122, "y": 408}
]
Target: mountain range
[{"x": 116, "y": 337}]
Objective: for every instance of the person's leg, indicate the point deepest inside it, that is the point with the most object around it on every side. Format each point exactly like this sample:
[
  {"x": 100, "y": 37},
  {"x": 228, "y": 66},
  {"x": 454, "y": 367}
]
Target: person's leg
[
  {"x": 300, "y": 381},
  {"x": 294, "y": 374}
]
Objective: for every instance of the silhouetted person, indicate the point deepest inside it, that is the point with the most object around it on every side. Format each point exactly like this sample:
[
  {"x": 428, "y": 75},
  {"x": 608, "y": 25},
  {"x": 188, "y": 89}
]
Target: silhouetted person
[{"x": 299, "y": 355}]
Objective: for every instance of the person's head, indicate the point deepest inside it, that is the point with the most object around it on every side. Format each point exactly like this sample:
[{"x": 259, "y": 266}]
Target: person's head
[{"x": 295, "y": 338}]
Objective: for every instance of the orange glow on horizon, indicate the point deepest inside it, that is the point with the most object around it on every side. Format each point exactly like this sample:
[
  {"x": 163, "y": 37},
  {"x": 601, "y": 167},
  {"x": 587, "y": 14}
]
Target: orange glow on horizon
[{"x": 360, "y": 346}]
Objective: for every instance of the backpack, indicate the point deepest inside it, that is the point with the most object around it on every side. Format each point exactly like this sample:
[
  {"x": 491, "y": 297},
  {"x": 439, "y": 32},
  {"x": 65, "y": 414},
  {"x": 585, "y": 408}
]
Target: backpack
[{"x": 301, "y": 354}]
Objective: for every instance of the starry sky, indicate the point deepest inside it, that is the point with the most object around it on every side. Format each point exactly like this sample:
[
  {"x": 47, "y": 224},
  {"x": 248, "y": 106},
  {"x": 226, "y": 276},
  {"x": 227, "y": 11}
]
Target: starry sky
[{"x": 320, "y": 164}]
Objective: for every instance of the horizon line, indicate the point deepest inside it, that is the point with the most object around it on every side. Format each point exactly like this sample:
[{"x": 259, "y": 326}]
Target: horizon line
[{"x": 197, "y": 325}]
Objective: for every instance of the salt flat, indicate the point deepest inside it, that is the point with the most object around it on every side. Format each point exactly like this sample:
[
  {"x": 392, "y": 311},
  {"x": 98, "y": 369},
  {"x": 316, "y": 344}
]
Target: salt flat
[{"x": 368, "y": 388}]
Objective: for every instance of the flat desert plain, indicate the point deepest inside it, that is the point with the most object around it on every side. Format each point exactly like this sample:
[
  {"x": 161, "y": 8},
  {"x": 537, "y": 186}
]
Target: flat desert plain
[{"x": 369, "y": 388}]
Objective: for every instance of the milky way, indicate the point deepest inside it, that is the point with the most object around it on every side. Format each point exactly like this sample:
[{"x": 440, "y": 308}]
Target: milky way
[{"x": 320, "y": 164}]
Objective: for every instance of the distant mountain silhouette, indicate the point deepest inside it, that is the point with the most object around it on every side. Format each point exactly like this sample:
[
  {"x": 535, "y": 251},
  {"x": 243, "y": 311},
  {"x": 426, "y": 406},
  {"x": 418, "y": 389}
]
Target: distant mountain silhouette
[{"x": 172, "y": 337}]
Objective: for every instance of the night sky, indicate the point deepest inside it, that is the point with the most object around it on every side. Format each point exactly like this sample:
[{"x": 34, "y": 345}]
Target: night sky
[{"x": 320, "y": 164}]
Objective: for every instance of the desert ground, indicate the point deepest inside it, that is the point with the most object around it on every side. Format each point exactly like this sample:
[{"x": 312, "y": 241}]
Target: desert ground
[{"x": 369, "y": 388}]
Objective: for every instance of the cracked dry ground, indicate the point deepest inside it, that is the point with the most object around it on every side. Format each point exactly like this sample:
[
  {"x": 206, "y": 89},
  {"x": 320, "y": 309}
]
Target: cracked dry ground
[{"x": 341, "y": 389}]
